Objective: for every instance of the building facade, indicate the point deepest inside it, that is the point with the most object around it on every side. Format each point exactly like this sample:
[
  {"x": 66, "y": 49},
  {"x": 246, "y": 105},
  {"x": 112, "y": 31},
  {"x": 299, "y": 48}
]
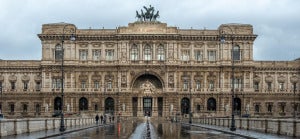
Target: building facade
[{"x": 149, "y": 68}]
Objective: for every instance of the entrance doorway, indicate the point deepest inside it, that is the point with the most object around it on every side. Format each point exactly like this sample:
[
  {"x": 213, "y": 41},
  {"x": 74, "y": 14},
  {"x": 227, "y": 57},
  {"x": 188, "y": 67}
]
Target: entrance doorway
[
  {"x": 160, "y": 104},
  {"x": 134, "y": 106},
  {"x": 147, "y": 101}
]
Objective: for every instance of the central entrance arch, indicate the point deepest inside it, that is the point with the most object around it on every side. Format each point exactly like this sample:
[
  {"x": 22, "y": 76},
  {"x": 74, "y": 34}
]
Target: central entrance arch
[{"x": 147, "y": 86}]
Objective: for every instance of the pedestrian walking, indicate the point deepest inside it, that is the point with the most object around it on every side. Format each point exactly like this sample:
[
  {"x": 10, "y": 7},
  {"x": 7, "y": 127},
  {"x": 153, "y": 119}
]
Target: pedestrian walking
[
  {"x": 97, "y": 118},
  {"x": 101, "y": 118}
]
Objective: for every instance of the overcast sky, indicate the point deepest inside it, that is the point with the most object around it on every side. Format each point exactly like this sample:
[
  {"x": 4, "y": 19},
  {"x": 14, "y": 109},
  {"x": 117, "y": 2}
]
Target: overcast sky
[{"x": 276, "y": 22}]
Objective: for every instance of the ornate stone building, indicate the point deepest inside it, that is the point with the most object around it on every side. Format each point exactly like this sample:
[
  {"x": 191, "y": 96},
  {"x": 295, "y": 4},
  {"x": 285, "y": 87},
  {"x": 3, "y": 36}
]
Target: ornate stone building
[{"x": 149, "y": 68}]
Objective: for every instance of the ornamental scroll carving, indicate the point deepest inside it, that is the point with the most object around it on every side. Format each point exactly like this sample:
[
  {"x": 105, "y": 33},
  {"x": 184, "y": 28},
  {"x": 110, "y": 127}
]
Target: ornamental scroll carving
[
  {"x": 294, "y": 79},
  {"x": 25, "y": 78},
  {"x": 256, "y": 78},
  {"x": 269, "y": 79},
  {"x": 38, "y": 78},
  {"x": 281, "y": 79},
  {"x": 12, "y": 78}
]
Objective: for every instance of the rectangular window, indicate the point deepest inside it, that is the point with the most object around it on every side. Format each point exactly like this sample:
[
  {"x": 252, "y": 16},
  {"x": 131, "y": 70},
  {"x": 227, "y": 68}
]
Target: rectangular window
[
  {"x": 198, "y": 108},
  {"x": 211, "y": 55},
  {"x": 109, "y": 85},
  {"x": 24, "y": 107},
  {"x": 281, "y": 86},
  {"x": 96, "y": 84},
  {"x": 83, "y": 84},
  {"x": 12, "y": 107},
  {"x": 185, "y": 55},
  {"x": 256, "y": 86},
  {"x": 134, "y": 53},
  {"x": 198, "y": 85},
  {"x": 238, "y": 83},
  {"x": 269, "y": 85},
  {"x": 256, "y": 108},
  {"x": 96, "y": 54},
  {"x": 211, "y": 85},
  {"x": 185, "y": 85},
  {"x": 198, "y": 55},
  {"x": 25, "y": 86},
  {"x": 56, "y": 83},
  {"x": 83, "y": 54},
  {"x": 269, "y": 108},
  {"x": 13, "y": 85},
  {"x": 109, "y": 55},
  {"x": 38, "y": 86},
  {"x": 160, "y": 53},
  {"x": 1, "y": 87}
]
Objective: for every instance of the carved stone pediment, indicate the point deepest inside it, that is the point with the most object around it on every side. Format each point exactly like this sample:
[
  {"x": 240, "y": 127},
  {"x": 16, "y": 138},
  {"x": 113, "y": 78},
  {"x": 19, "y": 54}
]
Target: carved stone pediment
[
  {"x": 96, "y": 77},
  {"x": 256, "y": 79},
  {"x": 185, "y": 77},
  {"x": 109, "y": 77},
  {"x": 269, "y": 79},
  {"x": 12, "y": 78},
  {"x": 83, "y": 77},
  {"x": 25, "y": 78},
  {"x": 38, "y": 78},
  {"x": 281, "y": 79},
  {"x": 294, "y": 79},
  {"x": 198, "y": 78}
]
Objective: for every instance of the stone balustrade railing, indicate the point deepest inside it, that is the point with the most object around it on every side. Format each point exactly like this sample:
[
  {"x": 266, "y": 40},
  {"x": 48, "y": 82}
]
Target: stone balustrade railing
[
  {"x": 288, "y": 127},
  {"x": 19, "y": 126}
]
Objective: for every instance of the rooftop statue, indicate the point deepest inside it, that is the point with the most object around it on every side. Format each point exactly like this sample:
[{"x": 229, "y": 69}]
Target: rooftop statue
[{"x": 147, "y": 15}]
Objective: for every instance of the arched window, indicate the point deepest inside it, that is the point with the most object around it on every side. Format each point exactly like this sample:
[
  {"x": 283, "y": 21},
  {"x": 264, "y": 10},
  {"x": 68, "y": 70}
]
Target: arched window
[
  {"x": 83, "y": 104},
  {"x": 211, "y": 104},
  {"x": 37, "y": 108},
  {"x": 160, "y": 53},
  {"x": 147, "y": 52},
  {"x": 256, "y": 108},
  {"x": 57, "y": 103},
  {"x": 185, "y": 105},
  {"x": 236, "y": 53},
  {"x": 96, "y": 107},
  {"x": 109, "y": 105},
  {"x": 237, "y": 106},
  {"x": 134, "y": 52}
]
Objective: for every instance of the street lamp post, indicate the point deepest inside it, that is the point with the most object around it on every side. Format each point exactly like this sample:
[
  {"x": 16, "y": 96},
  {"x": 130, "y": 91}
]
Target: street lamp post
[
  {"x": 295, "y": 106},
  {"x": 190, "y": 112},
  {"x": 61, "y": 49},
  {"x": 190, "y": 96},
  {"x": 1, "y": 97},
  {"x": 233, "y": 57}
]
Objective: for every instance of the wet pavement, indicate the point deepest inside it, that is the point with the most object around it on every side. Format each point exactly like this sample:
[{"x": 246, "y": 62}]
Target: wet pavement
[{"x": 139, "y": 129}]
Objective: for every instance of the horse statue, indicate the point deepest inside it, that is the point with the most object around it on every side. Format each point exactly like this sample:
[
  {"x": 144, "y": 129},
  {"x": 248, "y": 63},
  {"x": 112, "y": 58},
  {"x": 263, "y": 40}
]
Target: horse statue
[{"x": 148, "y": 14}]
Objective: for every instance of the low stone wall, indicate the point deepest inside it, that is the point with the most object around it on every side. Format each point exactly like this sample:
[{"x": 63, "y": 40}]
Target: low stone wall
[
  {"x": 19, "y": 126},
  {"x": 289, "y": 127}
]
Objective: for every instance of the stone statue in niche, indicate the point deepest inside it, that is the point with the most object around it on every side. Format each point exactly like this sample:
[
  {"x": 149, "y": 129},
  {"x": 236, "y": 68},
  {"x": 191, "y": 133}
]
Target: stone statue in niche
[
  {"x": 46, "y": 107},
  {"x": 124, "y": 107},
  {"x": 68, "y": 107}
]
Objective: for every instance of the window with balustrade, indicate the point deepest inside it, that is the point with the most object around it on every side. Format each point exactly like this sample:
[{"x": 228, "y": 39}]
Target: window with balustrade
[
  {"x": 96, "y": 54},
  {"x": 83, "y": 54},
  {"x": 185, "y": 55}
]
